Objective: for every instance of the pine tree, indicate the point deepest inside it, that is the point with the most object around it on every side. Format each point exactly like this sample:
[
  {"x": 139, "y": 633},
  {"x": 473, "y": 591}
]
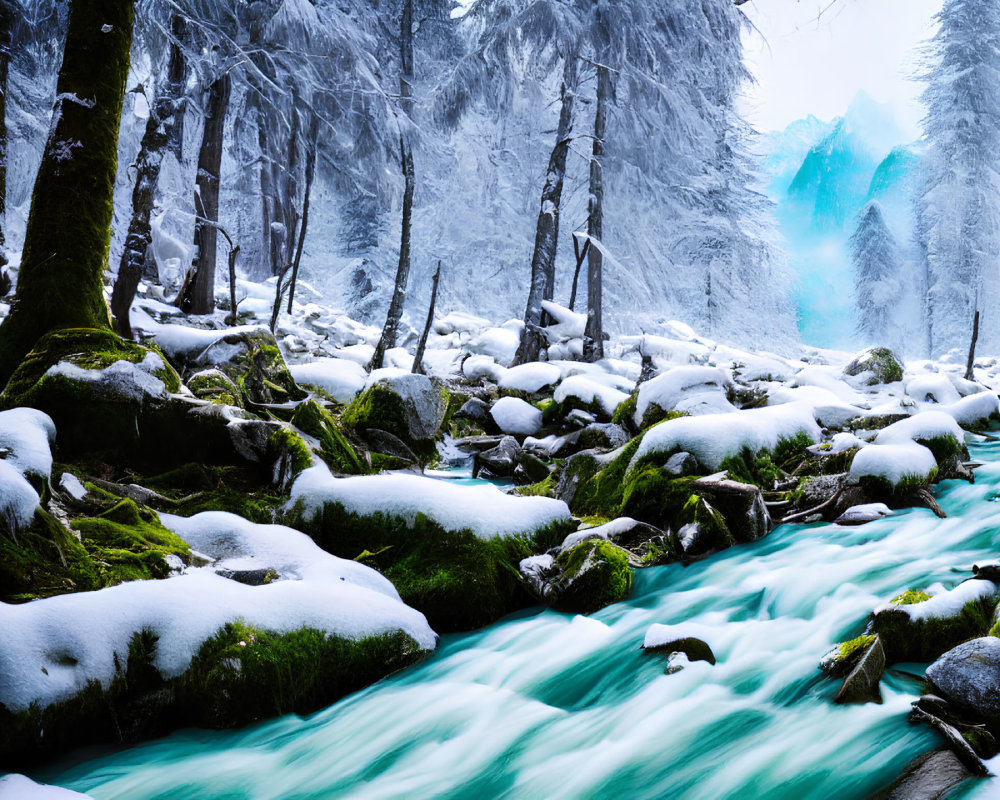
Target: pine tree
[
  {"x": 876, "y": 266},
  {"x": 958, "y": 210}
]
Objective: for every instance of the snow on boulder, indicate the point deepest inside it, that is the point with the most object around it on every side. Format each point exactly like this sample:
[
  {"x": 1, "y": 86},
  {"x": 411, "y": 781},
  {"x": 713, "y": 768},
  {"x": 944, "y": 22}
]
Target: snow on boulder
[
  {"x": 829, "y": 378},
  {"x": 895, "y": 463},
  {"x": 752, "y": 366},
  {"x": 26, "y": 437},
  {"x": 932, "y": 388},
  {"x": 182, "y": 343},
  {"x": 53, "y": 647},
  {"x": 694, "y": 390},
  {"x": 341, "y": 378},
  {"x": 459, "y": 322},
  {"x": 476, "y": 367},
  {"x": 877, "y": 365},
  {"x": 483, "y": 509},
  {"x": 619, "y": 375},
  {"x": 568, "y": 324},
  {"x": 713, "y": 438},
  {"x": 499, "y": 343},
  {"x": 672, "y": 351},
  {"x": 514, "y": 415},
  {"x": 925, "y": 426},
  {"x": 827, "y": 407},
  {"x": 421, "y": 404},
  {"x": 531, "y": 377},
  {"x": 589, "y": 392},
  {"x": 976, "y": 410},
  {"x": 21, "y": 787},
  {"x": 944, "y": 603}
]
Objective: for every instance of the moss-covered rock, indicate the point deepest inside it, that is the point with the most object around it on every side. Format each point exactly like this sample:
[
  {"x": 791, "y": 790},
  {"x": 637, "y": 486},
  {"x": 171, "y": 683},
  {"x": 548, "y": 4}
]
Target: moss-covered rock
[
  {"x": 215, "y": 385},
  {"x": 253, "y": 362},
  {"x": 410, "y": 407},
  {"x": 335, "y": 449},
  {"x": 922, "y": 637},
  {"x": 239, "y": 675},
  {"x": 705, "y": 530},
  {"x": 457, "y": 579},
  {"x": 593, "y": 574},
  {"x": 884, "y": 365},
  {"x": 845, "y": 656}
]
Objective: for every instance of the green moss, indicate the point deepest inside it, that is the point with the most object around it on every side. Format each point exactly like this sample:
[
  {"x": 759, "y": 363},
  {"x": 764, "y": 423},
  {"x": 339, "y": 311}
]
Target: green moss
[
  {"x": 881, "y": 489},
  {"x": 194, "y": 488},
  {"x": 67, "y": 238},
  {"x": 625, "y": 413},
  {"x": 44, "y": 560},
  {"x": 602, "y": 492},
  {"x": 215, "y": 386},
  {"x": 909, "y": 597},
  {"x": 239, "y": 675},
  {"x": 311, "y": 418},
  {"x": 286, "y": 444},
  {"x": 380, "y": 407},
  {"x": 258, "y": 369},
  {"x": 458, "y": 580},
  {"x": 128, "y": 542},
  {"x": 852, "y": 646},
  {"x": 652, "y": 495},
  {"x": 945, "y": 447},
  {"x": 87, "y": 348},
  {"x": 597, "y": 574},
  {"x": 907, "y": 639},
  {"x": 544, "y": 488}
]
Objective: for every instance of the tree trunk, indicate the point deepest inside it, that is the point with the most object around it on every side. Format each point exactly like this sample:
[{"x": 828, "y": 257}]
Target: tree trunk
[
  {"x": 69, "y": 227},
  {"x": 391, "y": 328},
  {"x": 200, "y": 297},
  {"x": 161, "y": 129},
  {"x": 593, "y": 339},
  {"x": 581, "y": 254},
  {"x": 543, "y": 258},
  {"x": 310, "y": 171},
  {"x": 418, "y": 358},
  {"x": 6, "y": 24},
  {"x": 972, "y": 347},
  {"x": 173, "y": 124}
]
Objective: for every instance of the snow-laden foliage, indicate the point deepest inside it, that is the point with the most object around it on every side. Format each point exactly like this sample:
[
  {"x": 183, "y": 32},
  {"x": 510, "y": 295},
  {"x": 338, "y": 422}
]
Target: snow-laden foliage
[
  {"x": 876, "y": 285},
  {"x": 959, "y": 206},
  {"x": 686, "y": 234}
]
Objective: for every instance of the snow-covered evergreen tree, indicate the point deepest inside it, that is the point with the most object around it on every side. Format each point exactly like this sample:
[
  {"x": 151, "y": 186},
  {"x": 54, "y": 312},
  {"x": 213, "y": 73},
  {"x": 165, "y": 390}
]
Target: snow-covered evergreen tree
[
  {"x": 959, "y": 207},
  {"x": 876, "y": 286}
]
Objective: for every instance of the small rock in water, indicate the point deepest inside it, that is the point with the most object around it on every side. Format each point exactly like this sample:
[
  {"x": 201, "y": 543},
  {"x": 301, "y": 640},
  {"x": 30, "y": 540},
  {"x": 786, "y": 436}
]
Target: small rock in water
[
  {"x": 859, "y": 515},
  {"x": 501, "y": 460},
  {"x": 862, "y": 685}
]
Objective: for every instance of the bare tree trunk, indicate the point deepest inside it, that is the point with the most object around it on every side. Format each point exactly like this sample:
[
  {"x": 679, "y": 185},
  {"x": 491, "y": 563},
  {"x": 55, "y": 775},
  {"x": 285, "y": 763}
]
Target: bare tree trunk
[
  {"x": 593, "y": 339},
  {"x": 581, "y": 254},
  {"x": 69, "y": 226},
  {"x": 972, "y": 347},
  {"x": 391, "y": 328},
  {"x": 310, "y": 171},
  {"x": 543, "y": 258},
  {"x": 6, "y": 24},
  {"x": 418, "y": 359},
  {"x": 199, "y": 298},
  {"x": 234, "y": 252},
  {"x": 161, "y": 126}
]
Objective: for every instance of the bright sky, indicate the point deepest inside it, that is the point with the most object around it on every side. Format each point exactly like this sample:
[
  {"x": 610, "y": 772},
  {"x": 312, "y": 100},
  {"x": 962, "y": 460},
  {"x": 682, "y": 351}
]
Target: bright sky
[{"x": 816, "y": 54}]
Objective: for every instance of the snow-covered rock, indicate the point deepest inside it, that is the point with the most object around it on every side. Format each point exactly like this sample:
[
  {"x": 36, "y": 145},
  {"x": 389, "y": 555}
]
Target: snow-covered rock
[
  {"x": 894, "y": 462},
  {"x": 21, "y": 787},
  {"x": 713, "y": 438},
  {"x": 341, "y": 378},
  {"x": 484, "y": 509},
  {"x": 976, "y": 409},
  {"x": 692, "y": 390},
  {"x": 931, "y": 388},
  {"x": 53, "y": 647},
  {"x": 530, "y": 377},
  {"x": 26, "y": 437},
  {"x": 588, "y": 391},
  {"x": 498, "y": 343},
  {"x": 924, "y": 426},
  {"x": 514, "y": 415}
]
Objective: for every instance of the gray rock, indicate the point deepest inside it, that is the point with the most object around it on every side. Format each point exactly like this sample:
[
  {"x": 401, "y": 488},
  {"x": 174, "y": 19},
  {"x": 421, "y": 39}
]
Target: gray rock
[
  {"x": 578, "y": 418},
  {"x": 695, "y": 649},
  {"x": 424, "y": 402},
  {"x": 930, "y": 776},
  {"x": 389, "y": 445},
  {"x": 530, "y": 469},
  {"x": 250, "y": 577},
  {"x": 862, "y": 685},
  {"x": 474, "y": 409},
  {"x": 741, "y": 505},
  {"x": 578, "y": 470},
  {"x": 501, "y": 460},
  {"x": 603, "y": 436},
  {"x": 969, "y": 676},
  {"x": 681, "y": 464}
]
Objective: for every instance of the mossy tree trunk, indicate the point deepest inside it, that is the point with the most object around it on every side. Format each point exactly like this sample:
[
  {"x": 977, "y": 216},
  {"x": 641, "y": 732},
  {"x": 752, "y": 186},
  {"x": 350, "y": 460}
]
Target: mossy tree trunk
[
  {"x": 69, "y": 226},
  {"x": 6, "y": 26},
  {"x": 543, "y": 258},
  {"x": 161, "y": 134},
  {"x": 593, "y": 339},
  {"x": 198, "y": 296},
  {"x": 391, "y": 328}
]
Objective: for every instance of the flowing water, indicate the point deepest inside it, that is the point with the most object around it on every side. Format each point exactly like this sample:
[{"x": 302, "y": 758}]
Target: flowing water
[{"x": 548, "y": 705}]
